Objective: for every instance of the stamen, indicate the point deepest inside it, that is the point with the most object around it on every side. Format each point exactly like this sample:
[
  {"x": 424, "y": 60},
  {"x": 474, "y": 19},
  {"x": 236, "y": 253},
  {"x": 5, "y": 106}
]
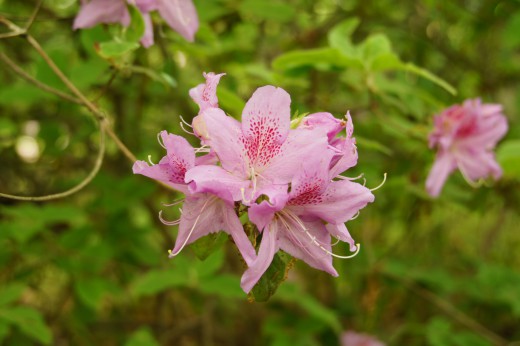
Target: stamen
[
  {"x": 243, "y": 193},
  {"x": 159, "y": 139},
  {"x": 473, "y": 184},
  {"x": 184, "y": 121},
  {"x": 355, "y": 216},
  {"x": 168, "y": 223},
  {"x": 188, "y": 132},
  {"x": 351, "y": 179},
  {"x": 334, "y": 149},
  {"x": 174, "y": 203},
  {"x": 171, "y": 253},
  {"x": 150, "y": 160},
  {"x": 204, "y": 149},
  {"x": 379, "y": 186}
]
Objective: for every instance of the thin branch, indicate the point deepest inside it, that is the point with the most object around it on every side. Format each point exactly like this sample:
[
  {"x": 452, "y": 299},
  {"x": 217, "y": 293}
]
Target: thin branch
[
  {"x": 82, "y": 184},
  {"x": 31, "y": 19},
  {"x": 19, "y": 71}
]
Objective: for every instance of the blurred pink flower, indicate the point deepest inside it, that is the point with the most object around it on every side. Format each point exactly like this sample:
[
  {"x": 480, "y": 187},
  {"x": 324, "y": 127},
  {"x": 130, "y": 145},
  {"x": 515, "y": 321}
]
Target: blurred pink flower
[
  {"x": 180, "y": 15},
  {"x": 351, "y": 338},
  {"x": 465, "y": 136}
]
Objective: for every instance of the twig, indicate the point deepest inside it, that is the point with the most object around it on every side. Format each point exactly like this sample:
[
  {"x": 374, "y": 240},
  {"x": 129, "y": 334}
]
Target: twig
[
  {"x": 31, "y": 19},
  {"x": 13, "y": 66},
  {"x": 82, "y": 184}
]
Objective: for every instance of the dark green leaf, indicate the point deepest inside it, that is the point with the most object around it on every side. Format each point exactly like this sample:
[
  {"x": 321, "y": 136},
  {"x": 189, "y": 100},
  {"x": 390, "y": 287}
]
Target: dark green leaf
[
  {"x": 157, "y": 281},
  {"x": 10, "y": 293},
  {"x": 272, "y": 278},
  {"x": 205, "y": 246},
  {"x": 116, "y": 48},
  {"x": 29, "y": 321},
  {"x": 142, "y": 337}
]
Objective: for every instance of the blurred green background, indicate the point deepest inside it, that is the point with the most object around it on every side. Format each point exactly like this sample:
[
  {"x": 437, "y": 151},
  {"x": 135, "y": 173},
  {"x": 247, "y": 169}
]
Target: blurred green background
[{"x": 92, "y": 268}]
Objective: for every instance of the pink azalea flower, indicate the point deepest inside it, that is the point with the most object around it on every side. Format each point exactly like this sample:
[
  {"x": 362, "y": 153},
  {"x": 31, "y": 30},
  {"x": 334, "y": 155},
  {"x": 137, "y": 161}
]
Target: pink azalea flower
[
  {"x": 256, "y": 154},
  {"x": 302, "y": 221},
  {"x": 465, "y": 136},
  {"x": 351, "y": 338},
  {"x": 180, "y": 15},
  {"x": 202, "y": 213}
]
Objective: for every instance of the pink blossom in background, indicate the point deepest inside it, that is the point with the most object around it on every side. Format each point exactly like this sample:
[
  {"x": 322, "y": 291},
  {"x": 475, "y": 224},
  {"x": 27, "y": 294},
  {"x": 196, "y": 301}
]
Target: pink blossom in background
[
  {"x": 180, "y": 15},
  {"x": 351, "y": 338},
  {"x": 465, "y": 136}
]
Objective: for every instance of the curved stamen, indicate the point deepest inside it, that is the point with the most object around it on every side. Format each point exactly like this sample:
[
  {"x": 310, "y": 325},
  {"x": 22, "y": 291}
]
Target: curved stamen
[
  {"x": 351, "y": 179},
  {"x": 159, "y": 139},
  {"x": 204, "y": 149},
  {"x": 167, "y": 222},
  {"x": 150, "y": 160},
  {"x": 185, "y": 122},
  {"x": 473, "y": 184},
  {"x": 382, "y": 183},
  {"x": 355, "y": 216},
  {"x": 188, "y": 132},
  {"x": 315, "y": 241}
]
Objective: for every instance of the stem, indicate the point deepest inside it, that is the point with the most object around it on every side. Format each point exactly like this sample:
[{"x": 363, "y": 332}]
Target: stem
[
  {"x": 19, "y": 71},
  {"x": 82, "y": 184}
]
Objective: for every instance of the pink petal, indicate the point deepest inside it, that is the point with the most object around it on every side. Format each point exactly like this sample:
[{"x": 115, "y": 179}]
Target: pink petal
[
  {"x": 217, "y": 181},
  {"x": 101, "y": 11},
  {"x": 326, "y": 121},
  {"x": 351, "y": 338},
  {"x": 262, "y": 214},
  {"x": 490, "y": 130},
  {"x": 442, "y": 167},
  {"x": 223, "y": 135},
  {"x": 160, "y": 172},
  {"x": 299, "y": 146},
  {"x": 204, "y": 214},
  {"x": 147, "y": 39},
  {"x": 340, "y": 232},
  {"x": 207, "y": 159},
  {"x": 268, "y": 248},
  {"x": 181, "y": 16},
  {"x": 338, "y": 204},
  {"x": 145, "y": 5},
  {"x": 299, "y": 243},
  {"x": 478, "y": 164},
  {"x": 346, "y": 158},
  {"x": 265, "y": 124},
  {"x": 205, "y": 95}
]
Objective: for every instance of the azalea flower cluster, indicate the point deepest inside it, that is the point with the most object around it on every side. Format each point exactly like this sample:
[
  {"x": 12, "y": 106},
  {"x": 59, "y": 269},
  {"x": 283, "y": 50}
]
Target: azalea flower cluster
[
  {"x": 180, "y": 15},
  {"x": 465, "y": 136},
  {"x": 284, "y": 174}
]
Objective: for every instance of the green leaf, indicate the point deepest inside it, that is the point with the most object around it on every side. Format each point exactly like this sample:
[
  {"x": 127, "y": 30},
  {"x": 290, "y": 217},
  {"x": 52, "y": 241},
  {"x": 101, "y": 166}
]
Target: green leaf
[
  {"x": 135, "y": 31},
  {"x": 270, "y": 10},
  {"x": 114, "y": 49},
  {"x": 142, "y": 337},
  {"x": 321, "y": 58},
  {"x": 161, "y": 77},
  {"x": 430, "y": 76},
  {"x": 205, "y": 246},
  {"x": 375, "y": 46},
  {"x": 508, "y": 155},
  {"x": 272, "y": 278},
  {"x": 292, "y": 293},
  {"x": 223, "y": 285},
  {"x": 91, "y": 292},
  {"x": 10, "y": 293},
  {"x": 29, "y": 321},
  {"x": 157, "y": 281},
  {"x": 339, "y": 37},
  {"x": 211, "y": 265}
]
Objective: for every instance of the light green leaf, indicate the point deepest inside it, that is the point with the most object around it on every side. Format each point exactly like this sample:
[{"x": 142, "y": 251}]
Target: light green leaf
[
  {"x": 211, "y": 265},
  {"x": 4, "y": 330},
  {"x": 321, "y": 58},
  {"x": 161, "y": 77},
  {"x": 339, "y": 37},
  {"x": 365, "y": 143},
  {"x": 230, "y": 101},
  {"x": 29, "y": 321},
  {"x": 375, "y": 46},
  {"x": 116, "y": 48},
  {"x": 430, "y": 76},
  {"x": 91, "y": 292}
]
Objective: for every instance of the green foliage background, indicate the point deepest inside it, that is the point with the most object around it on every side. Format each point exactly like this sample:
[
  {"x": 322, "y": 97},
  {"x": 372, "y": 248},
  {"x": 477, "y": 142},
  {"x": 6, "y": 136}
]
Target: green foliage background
[{"x": 92, "y": 268}]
